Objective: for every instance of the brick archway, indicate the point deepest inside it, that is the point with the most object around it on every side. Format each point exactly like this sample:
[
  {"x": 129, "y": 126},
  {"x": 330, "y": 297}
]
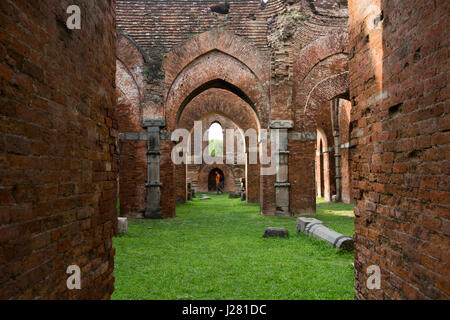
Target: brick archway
[
  {"x": 222, "y": 102},
  {"x": 210, "y": 106},
  {"x": 320, "y": 74},
  {"x": 216, "y": 59},
  {"x": 130, "y": 89},
  {"x": 212, "y": 178},
  {"x": 323, "y": 166},
  {"x": 211, "y": 63}
]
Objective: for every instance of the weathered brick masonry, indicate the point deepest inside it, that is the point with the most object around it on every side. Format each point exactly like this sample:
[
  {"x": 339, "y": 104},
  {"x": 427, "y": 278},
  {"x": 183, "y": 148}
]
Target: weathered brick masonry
[
  {"x": 289, "y": 65},
  {"x": 57, "y": 164},
  {"x": 273, "y": 57},
  {"x": 400, "y": 146}
]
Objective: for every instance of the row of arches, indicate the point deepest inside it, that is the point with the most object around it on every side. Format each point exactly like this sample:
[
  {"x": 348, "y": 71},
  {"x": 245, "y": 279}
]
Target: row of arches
[{"x": 220, "y": 73}]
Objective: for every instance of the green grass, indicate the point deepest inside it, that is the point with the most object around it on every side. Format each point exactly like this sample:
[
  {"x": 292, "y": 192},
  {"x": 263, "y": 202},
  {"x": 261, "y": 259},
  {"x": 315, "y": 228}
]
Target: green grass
[
  {"x": 337, "y": 216},
  {"x": 214, "y": 249}
]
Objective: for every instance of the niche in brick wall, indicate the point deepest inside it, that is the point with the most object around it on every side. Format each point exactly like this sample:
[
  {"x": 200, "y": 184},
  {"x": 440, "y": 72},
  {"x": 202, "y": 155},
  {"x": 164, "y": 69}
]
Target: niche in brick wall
[{"x": 222, "y": 8}]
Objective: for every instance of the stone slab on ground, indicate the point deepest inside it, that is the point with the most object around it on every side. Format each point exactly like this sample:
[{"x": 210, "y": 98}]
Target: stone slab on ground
[
  {"x": 204, "y": 197},
  {"x": 316, "y": 228},
  {"x": 273, "y": 232}
]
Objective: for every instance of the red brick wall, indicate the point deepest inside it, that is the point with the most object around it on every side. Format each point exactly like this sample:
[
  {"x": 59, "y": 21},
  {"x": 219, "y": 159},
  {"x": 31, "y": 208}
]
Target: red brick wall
[
  {"x": 132, "y": 179},
  {"x": 400, "y": 90},
  {"x": 245, "y": 18},
  {"x": 57, "y": 163},
  {"x": 181, "y": 183}
]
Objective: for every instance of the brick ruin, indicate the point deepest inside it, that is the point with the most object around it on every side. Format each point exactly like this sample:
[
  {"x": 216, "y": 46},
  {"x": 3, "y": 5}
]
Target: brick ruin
[
  {"x": 58, "y": 164},
  {"x": 400, "y": 147},
  {"x": 254, "y": 55},
  {"x": 357, "y": 91}
]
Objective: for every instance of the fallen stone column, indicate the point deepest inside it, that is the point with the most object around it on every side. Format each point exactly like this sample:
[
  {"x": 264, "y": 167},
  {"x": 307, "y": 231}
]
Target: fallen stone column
[{"x": 316, "y": 228}]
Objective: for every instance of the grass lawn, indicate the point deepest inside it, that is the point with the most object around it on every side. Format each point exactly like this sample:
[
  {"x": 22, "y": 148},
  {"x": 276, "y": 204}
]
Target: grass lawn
[{"x": 214, "y": 249}]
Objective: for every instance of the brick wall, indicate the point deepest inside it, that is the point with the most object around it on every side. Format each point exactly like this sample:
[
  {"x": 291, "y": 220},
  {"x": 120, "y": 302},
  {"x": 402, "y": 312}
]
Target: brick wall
[
  {"x": 57, "y": 162},
  {"x": 173, "y": 22},
  {"x": 400, "y": 138}
]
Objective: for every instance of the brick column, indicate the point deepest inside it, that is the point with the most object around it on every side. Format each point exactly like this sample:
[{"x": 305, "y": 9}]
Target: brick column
[
  {"x": 153, "y": 186},
  {"x": 266, "y": 180},
  {"x": 302, "y": 146},
  {"x": 282, "y": 186}
]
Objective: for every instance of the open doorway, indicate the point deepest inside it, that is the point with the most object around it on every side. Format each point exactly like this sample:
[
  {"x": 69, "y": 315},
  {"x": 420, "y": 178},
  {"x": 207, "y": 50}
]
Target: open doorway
[{"x": 212, "y": 179}]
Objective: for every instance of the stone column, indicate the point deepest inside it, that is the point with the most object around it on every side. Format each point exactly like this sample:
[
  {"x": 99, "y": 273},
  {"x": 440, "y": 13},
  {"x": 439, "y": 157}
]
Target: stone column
[
  {"x": 153, "y": 208},
  {"x": 319, "y": 170},
  {"x": 326, "y": 173},
  {"x": 279, "y": 128},
  {"x": 337, "y": 145}
]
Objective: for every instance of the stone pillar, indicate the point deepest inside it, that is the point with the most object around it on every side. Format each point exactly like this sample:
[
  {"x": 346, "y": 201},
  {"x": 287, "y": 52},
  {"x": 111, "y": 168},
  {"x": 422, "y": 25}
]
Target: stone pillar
[
  {"x": 153, "y": 186},
  {"x": 319, "y": 170},
  {"x": 326, "y": 172},
  {"x": 337, "y": 145},
  {"x": 280, "y": 128}
]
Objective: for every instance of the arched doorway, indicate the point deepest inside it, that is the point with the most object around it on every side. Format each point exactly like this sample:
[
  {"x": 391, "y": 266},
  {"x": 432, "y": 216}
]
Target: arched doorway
[
  {"x": 323, "y": 188},
  {"x": 215, "y": 140},
  {"x": 212, "y": 179},
  {"x": 199, "y": 67}
]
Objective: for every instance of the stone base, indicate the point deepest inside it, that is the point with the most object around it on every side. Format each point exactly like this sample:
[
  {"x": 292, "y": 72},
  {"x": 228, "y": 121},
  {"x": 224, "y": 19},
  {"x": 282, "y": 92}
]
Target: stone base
[
  {"x": 122, "y": 225},
  {"x": 279, "y": 213},
  {"x": 272, "y": 232},
  {"x": 153, "y": 215}
]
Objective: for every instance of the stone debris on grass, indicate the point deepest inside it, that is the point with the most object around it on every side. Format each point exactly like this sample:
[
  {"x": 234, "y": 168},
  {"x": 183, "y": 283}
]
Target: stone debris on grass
[
  {"x": 273, "y": 232},
  {"x": 316, "y": 228}
]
